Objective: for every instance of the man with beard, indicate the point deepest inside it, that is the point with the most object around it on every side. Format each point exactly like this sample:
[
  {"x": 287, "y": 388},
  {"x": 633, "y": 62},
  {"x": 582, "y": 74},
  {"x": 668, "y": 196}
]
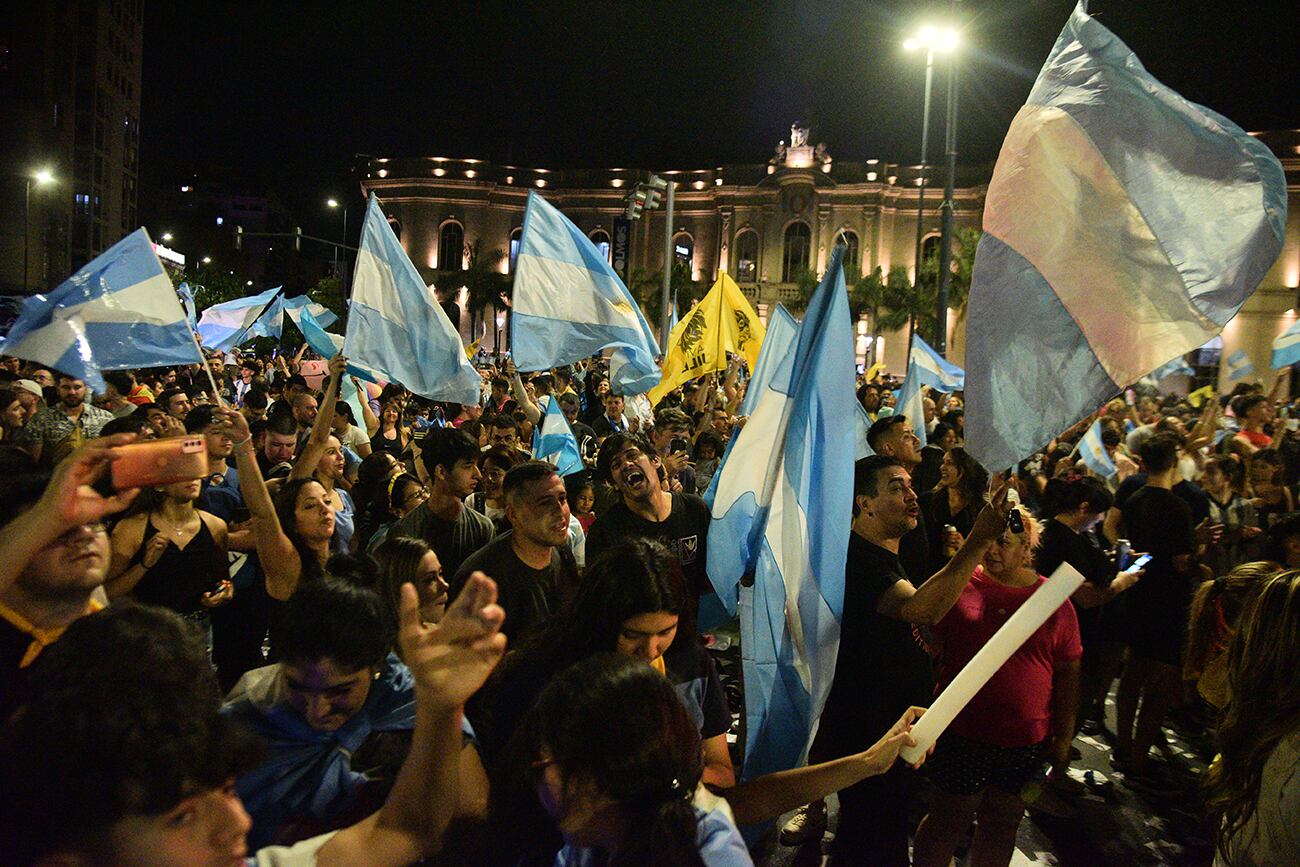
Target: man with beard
[
  {"x": 647, "y": 510},
  {"x": 531, "y": 563},
  {"x": 452, "y": 529},
  {"x": 71, "y": 419}
]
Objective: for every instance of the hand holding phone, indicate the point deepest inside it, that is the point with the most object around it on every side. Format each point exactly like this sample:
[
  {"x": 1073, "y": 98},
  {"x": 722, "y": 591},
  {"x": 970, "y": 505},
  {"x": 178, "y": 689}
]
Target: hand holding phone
[
  {"x": 1137, "y": 565},
  {"x": 159, "y": 462}
]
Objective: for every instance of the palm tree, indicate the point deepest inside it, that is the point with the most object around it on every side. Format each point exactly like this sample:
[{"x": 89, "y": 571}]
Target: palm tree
[{"x": 483, "y": 281}]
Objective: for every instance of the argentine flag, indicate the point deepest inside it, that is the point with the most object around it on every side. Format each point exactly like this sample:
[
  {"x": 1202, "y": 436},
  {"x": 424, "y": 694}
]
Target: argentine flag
[
  {"x": 781, "y": 511},
  {"x": 933, "y": 369},
  {"x": 1239, "y": 366},
  {"x": 1175, "y": 367},
  {"x": 1093, "y": 452},
  {"x": 554, "y": 441},
  {"x": 568, "y": 304},
  {"x": 224, "y": 326},
  {"x": 1123, "y": 226},
  {"x": 323, "y": 315},
  {"x": 396, "y": 329},
  {"x": 1286, "y": 349},
  {"x": 119, "y": 311}
]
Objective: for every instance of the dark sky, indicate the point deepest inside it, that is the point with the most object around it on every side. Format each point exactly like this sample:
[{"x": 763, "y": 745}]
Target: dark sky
[{"x": 285, "y": 98}]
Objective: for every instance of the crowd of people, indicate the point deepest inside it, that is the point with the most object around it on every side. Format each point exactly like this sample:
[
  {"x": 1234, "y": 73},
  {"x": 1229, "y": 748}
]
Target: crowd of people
[{"x": 376, "y": 630}]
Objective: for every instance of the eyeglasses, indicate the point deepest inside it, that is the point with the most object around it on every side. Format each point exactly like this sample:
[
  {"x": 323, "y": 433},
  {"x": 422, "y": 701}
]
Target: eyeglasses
[{"x": 416, "y": 498}]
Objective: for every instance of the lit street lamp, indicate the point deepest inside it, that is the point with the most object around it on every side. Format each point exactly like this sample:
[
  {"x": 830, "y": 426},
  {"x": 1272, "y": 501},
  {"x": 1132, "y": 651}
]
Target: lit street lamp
[
  {"x": 931, "y": 39},
  {"x": 333, "y": 204},
  {"x": 42, "y": 177},
  {"x": 167, "y": 236}
]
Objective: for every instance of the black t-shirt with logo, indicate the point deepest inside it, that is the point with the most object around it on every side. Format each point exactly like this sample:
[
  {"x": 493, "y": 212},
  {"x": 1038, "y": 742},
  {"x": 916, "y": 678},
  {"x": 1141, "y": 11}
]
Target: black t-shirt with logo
[{"x": 685, "y": 531}]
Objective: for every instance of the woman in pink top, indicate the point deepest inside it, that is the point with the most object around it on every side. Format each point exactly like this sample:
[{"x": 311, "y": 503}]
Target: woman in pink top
[{"x": 1021, "y": 720}]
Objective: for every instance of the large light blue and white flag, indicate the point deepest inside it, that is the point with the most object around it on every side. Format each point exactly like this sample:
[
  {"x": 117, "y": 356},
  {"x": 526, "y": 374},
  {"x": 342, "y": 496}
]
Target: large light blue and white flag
[
  {"x": 1093, "y": 452},
  {"x": 782, "y": 511},
  {"x": 119, "y": 311},
  {"x": 1286, "y": 349},
  {"x": 1123, "y": 226},
  {"x": 224, "y": 326},
  {"x": 395, "y": 328},
  {"x": 933, "y": 369},
  {"x": 554, "y": 441},
  {"x": 568, "y": 303},
  {"x": 1239, "y": 366},
  {"x": 782, "y": 333}
]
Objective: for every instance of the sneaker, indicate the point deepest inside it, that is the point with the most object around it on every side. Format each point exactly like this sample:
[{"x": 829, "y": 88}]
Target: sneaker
[{"x": 808, "y": 823}]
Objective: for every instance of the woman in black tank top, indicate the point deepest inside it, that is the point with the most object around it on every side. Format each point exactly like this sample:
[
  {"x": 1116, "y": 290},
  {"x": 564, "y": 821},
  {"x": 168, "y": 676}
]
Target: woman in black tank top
[{"x": 171, "y": 554}]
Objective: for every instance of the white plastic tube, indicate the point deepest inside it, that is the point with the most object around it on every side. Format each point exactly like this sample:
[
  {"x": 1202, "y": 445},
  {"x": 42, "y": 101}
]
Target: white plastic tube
[{"x": 1049, "y": 596}]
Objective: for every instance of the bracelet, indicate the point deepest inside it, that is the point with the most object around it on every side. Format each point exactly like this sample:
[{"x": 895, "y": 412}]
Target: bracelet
[{"x": 244, "y": 441}]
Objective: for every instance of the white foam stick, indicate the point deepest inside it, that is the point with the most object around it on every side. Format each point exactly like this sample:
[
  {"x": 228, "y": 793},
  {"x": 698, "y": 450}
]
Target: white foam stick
[{"x": 1049, "y": 596}]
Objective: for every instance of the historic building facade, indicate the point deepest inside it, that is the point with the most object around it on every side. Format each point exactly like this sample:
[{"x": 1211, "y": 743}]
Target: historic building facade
[{"x": 762, "y": 223}]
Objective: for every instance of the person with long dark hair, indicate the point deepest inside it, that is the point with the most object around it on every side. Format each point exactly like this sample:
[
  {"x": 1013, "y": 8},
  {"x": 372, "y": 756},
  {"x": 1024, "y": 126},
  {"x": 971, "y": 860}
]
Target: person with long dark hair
[
  {"x": 955, "y": 502},
  {"x": 294, "y": 531},
  {"x": 612, "y": 757},
  {"x": 1253, "y": 787},
  {"x": 321, "y": 458}
]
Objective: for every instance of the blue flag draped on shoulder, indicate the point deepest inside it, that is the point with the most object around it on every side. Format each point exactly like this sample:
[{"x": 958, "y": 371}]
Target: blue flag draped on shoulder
[
  {"x": 1239, "y": 366},
  {"x": 119, "y": 311},
  {"x": 395, "y": 328},
  {"x": 1286, "y": 349},
  {"x": 1123, "y": 226},
  {"x": 224, "y": 326},
  {"x": 554, "y": 441},
  {"x": 782, "y": 511},
  {"x": 568, "y": 303},
  {"x": 1093, "y": 452}
]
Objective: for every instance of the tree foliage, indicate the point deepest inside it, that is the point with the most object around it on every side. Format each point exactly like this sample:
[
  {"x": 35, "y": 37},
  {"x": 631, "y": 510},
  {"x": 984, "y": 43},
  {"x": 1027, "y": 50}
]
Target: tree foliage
[{"x": 891, "y": 299}]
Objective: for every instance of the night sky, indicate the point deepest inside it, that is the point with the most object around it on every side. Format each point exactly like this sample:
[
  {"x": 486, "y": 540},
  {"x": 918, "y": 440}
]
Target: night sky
[{"x": 285, "y": 99}]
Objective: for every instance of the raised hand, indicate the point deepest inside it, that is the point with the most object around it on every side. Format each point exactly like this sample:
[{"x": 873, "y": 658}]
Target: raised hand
[
  {"x": 70, "y": 501},
  {"x": 452, "y": 658},
  {"x": 992, "y": 519}
]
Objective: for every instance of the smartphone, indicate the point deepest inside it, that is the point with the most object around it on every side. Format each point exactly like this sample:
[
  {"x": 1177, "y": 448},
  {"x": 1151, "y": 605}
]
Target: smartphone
[
  {"x": 1138, "y": 563},
  {"x": 159, "y": 462},
  {"x": 1130, "y": 397},
  {"x": 678, "y": 444}
]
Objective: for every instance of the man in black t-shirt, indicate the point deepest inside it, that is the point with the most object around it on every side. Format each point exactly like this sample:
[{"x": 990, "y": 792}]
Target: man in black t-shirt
[
  {"x": 881, "y": 669},
  {"x": 531, "y": 564},
  {"x": 648, "y": 511},
  {"x": 1158, "y": 521}
]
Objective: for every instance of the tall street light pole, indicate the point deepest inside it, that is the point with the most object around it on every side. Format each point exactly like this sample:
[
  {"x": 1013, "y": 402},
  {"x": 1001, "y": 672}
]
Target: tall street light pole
[
  {"x": 333, "y": 204},
  {"x": 42, "y": 178},
  {"x": 933, "y": 40},
  {"x": 945, "y": 213}
]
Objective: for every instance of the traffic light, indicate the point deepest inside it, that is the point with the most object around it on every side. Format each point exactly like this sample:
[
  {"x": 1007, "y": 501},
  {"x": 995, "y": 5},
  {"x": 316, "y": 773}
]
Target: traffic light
[
  {"x": 654, "y": 191},
  {"x": 636, "y": 203},
  {"x": 239, "y": 237}
]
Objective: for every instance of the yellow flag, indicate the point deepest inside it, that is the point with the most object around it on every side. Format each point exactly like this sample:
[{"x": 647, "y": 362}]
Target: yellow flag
[
  {"x": 1199, "y": 396},
  {"x": 873, "y": 373},
  {"x": 722, "y": 322},
  {"x": 472, "y": 349}
]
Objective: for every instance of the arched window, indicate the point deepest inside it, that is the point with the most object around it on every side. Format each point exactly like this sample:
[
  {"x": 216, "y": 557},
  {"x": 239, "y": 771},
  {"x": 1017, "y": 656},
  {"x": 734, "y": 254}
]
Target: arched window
[
  {"x": 600, "y": 238},
  {"x": 515, "y": 234},
  {"x": 451, "y": 246},
  {"x": 798, "y": 244},
  {"x": 684, "y": 248},
  {"x": 929, "y": 247},
  {"x": 747, "y": 256}
]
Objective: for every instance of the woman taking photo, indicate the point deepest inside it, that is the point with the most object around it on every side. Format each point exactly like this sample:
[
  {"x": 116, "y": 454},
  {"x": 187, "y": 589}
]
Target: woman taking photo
[
  {"x": 1253, "y": 787},
  {"x": 171, "y": 554},
  {"x": 322, "y": 460},
  {"x": 954, "y": 503}
]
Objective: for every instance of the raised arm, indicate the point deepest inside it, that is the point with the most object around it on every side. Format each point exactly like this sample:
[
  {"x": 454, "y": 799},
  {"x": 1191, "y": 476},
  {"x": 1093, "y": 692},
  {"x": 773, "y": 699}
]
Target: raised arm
[
  {"x": 928, "y": 603},
  {"x": 276, "y": 553},
  {"x": 69, "y": 501},
  {"x": 450, "y": 662},
  {"x": 531, "y": 409},
  {"x": 314, "y": 449}
]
